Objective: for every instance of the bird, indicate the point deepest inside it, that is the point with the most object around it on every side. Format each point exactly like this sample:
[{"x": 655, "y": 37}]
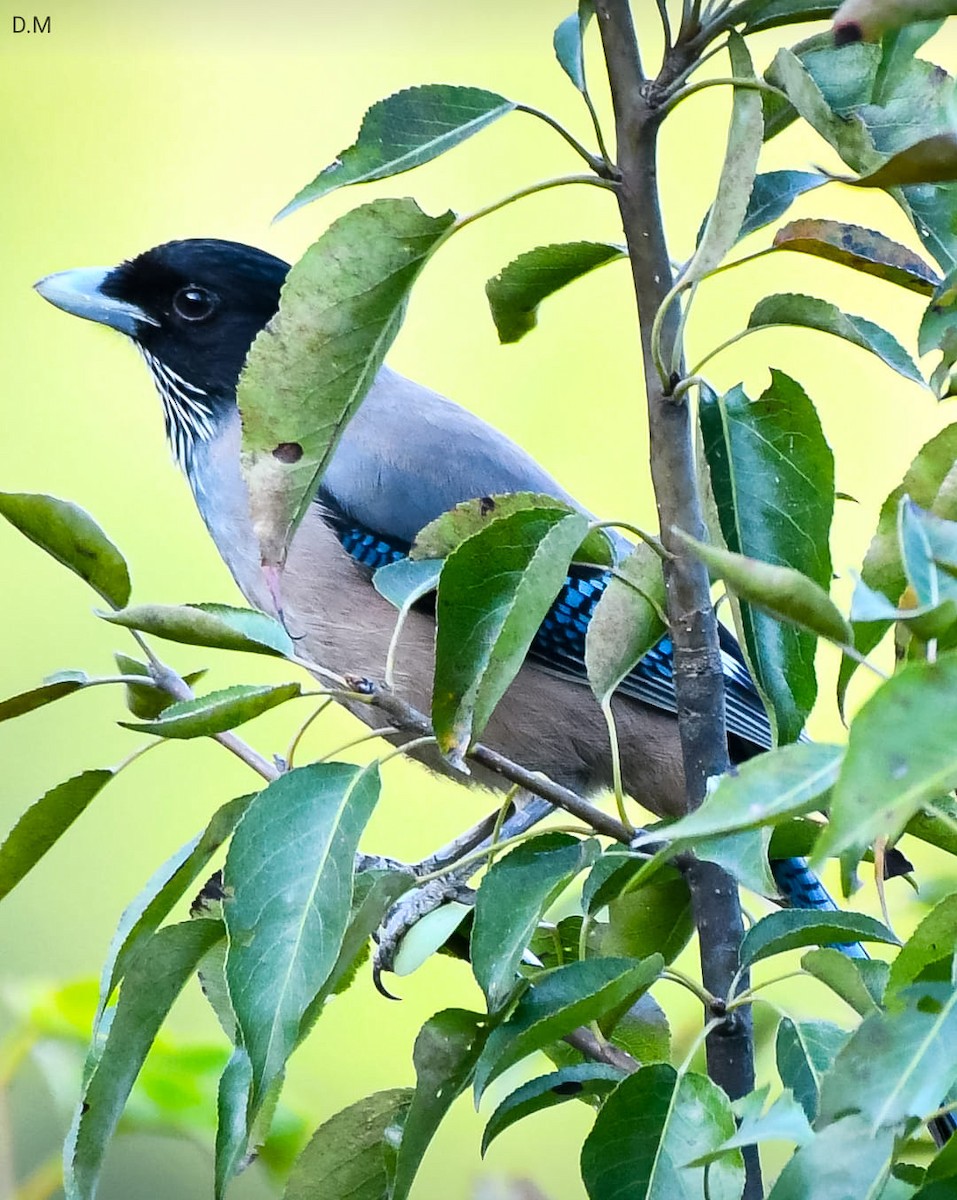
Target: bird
[{"x": 192, "y": 308}]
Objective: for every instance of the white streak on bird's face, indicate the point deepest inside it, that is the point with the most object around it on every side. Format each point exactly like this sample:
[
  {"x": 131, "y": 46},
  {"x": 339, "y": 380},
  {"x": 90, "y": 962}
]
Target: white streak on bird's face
[{"x": 186, "y": 417}]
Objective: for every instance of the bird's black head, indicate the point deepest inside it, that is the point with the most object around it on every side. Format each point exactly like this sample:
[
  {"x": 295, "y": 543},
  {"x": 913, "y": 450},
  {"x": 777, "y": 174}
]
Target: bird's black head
[{"x": 193, "y": 308}]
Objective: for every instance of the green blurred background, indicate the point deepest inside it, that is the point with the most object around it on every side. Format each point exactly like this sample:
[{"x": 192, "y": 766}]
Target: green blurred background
[{"x": 128, "y": 125}]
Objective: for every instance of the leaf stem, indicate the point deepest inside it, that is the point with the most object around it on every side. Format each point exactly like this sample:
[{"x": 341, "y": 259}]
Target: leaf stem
[
  {"x": 615, "y": 762},
  {"x": 599, "y": 165},
  {"x": 532, "y": 189},
  {"x": 665, "y": 24},
  {"x": 300, "y": 732},
  {"x": 406, "y": 747},
  {"x": 358, "y": 741},
  {"x": 476, "y": 856},
  {"x": 138, "y": 753},
  {"x": 742, "y": 333},
  {"x": 500, "y": 820},
  {"x": 754, "y": 85},
  {"x": 642, "y": 534},
  {"x": 748, "y": 994},
  {"x": 690, "y": 985}
]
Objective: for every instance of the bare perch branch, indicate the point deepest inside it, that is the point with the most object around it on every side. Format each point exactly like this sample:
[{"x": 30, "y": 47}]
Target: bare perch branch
[{"x": 411, "y": 720}]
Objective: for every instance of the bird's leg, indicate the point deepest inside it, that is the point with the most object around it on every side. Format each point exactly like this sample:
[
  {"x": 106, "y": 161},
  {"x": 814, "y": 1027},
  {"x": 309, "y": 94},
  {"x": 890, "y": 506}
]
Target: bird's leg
[{"x": 526, "y": 811}]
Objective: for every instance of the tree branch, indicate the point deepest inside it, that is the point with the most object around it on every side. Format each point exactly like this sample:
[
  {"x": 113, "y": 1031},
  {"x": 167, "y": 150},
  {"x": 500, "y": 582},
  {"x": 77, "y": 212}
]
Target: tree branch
[
  {"x": 410, "y": 719},
  {"x": 699, "y": 683}
]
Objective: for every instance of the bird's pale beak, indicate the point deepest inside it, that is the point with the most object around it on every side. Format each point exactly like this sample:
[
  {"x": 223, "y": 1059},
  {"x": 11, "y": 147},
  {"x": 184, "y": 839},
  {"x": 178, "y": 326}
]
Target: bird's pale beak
[{"x": 80, "y": 292}]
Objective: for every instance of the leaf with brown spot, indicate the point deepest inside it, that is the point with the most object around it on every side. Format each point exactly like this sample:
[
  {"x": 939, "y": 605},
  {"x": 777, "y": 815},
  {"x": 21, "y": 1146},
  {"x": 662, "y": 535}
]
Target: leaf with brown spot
[
  {"x": 865, "y": 250},
  {"x": 309, "y": 370},
  {"x": 446, "y": 533}
]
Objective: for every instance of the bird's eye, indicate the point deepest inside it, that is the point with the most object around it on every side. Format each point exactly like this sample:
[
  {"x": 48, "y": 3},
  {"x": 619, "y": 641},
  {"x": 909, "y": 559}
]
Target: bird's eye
[{"x": 194, "y": 303}]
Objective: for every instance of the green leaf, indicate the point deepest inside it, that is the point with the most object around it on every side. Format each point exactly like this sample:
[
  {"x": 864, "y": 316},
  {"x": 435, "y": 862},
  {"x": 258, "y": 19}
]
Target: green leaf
[
  {"x": 655, "y": 918},
  {"x": 765, "y": 790},
  {"x": 216, "y": 712},
  {"x": 772, "y": 476},
  {"x": 785, "y": 1121},
  {"x": 308, "y": 371},
  {"x": 643, "y": 1031},
  {"x": 511, "y": 900},
  {"x": 773, "y": 194},
  {"x": 793, "y": 927},
  {"x": 38, "y": 697},
  {"x": 582, "y": 1082},
  {"x": 445, "y": 1054},
  {"x": 647, "y": 1131},
  {"x": 843, "y": 976},
  {"x": 348, "y": 1154},
  {"x": 864, "y": 250},
  {"x": 924, "y": 622},
  {"x": 447, "y": 532},
  {"x": 809, "y": 312},
  {"x": 827, "y": 1169},
  {"x": 805, "y": 1050},
  {"x": 744, "y": 856},
  {"x": 216, "y": 625},
  {"x": 768, "y": 14},
  {"x": 43, "y": 823},
  {"x": 931, "y": 160},
  {"x": 404, "y": 131},
  {"x": 515, "y": 293},
  {"x": 494, "y": 593},
  {"x": 730, "y": 206},
  {"x": 374, "y": 894},
  {"x": 929, "y": 552},
  {"x": 403, "y": 582},
  {"x": 883, "y": 569},
  {"x": 933, "y": 940},
  {"x": 288, "y": 879},
  {"x": 567, "y": 41},
  {"x": 153, "y": 983},
  {"x": 900, "y": 755},
  {"x": 896, "y": 1064},
  {"x": 71, "y": 536},
  {"x": 785, "y": 593},
  {"x": 609, "y": 876},
  {"x": 231, "y": 1137},
  {"x": 844, "y": 130},
  {"x": 627, "y": 621},
  {"x": 559, "y": 1001},
  {"x": 144, "y": 914}
]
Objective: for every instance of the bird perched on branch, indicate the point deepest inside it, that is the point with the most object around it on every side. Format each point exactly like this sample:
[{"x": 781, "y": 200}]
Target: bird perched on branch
[{"x": 193, "y": 308}]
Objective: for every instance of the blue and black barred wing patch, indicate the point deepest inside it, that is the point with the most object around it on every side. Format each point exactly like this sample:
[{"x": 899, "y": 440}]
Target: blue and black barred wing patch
[{"x": 559, "y": 645}]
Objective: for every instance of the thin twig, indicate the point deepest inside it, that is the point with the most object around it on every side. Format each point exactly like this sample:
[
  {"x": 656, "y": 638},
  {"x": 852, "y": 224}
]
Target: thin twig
[
  {"x": 584, "y": 1041},
  {"x": 175, "y": 685}
]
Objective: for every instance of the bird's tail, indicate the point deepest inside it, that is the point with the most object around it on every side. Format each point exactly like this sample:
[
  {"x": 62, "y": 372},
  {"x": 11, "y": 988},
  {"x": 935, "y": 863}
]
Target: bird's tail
[{"x": 801, "y": 888}]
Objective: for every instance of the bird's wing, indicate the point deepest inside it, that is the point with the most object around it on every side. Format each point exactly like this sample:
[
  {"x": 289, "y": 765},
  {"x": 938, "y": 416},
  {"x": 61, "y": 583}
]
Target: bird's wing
[
  {"x": 559, "y": 646},
  {"x": 409, "y": 455}
]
